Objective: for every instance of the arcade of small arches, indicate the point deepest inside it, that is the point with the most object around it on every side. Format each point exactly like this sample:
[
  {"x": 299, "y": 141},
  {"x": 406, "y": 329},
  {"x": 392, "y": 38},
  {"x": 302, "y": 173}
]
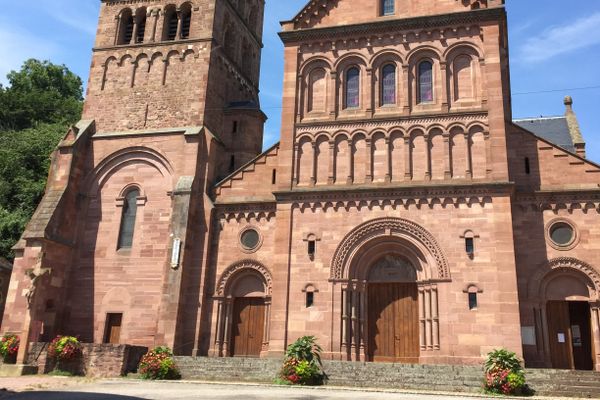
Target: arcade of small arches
[
  {"x": 418, "y": 154},
  {"x": 393, "y": 82},
  {"x": 173, "y": 22}
]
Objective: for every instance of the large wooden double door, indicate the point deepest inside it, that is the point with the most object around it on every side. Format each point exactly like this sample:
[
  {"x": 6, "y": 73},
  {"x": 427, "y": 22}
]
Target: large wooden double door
[
  {"x": 570, "y": 335},
  {"x": 393, "y": 322},
  {"x": 248, "y": 327}
]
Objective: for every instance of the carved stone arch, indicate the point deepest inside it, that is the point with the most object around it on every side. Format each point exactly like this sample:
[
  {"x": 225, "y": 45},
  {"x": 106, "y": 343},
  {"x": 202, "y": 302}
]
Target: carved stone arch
[
  {"x": 536, "y": 284},
  {"x": 112, "y": 163},
  {"x": 314, "y": 62},
  {"x": 386, "y": 56},
  {"x": 408, "y": 231},
  {"x": 422, "y": 52},
  {"x": 347, "y": 60},
  {"x": 461, "y": 47},
  {"x": 245, "y": 266}
]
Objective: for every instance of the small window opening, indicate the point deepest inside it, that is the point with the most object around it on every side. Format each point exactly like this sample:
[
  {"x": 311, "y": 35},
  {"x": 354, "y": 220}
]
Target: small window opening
[
  {"x": 128, "y": 220},
  {"x": 234, "y": 129},
  {"x": 472, "y": 301},
  {"x": 310, "y": 299},
  {"x": 128, "y": 29},
  {"x": 232, "y": 164},
  {"x": 387, "y": 7},
  {"x": 274, "y": 177},
  {"x": 171, "y": 22},
  {"x": 312, "y": 247},
  {"x": 49, "y": 305},
  {"x": 141, "y": 28},
  {"x": 186, "y": 22},
  {"x": 527, "y": 166},
  {"x": 470, "y": 246}
]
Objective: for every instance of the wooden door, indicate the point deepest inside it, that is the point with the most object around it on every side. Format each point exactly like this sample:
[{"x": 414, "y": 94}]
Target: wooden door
[
  {"x": 581, "y": 333},
  {"x": 248, "y": 327},
  {"x": 112, "y": 333},
  {"x": 559, "y": 332},
  {"x": 393, "y": 326}
]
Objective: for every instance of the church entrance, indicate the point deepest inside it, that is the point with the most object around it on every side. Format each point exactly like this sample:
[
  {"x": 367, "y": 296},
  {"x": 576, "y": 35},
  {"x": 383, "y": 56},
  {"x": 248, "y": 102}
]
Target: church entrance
[
  {"x": 248, "y": 327},
  {"x": 570, "y": 334},
  {"x": 393, "y": 311},
  {"x": 393, "y": 322}
]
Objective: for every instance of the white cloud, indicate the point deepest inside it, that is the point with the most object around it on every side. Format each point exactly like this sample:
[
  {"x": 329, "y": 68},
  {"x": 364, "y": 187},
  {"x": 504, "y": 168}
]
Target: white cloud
[
  {"x": 17, "y": 46},
  {"x": 562, "y": 39}
]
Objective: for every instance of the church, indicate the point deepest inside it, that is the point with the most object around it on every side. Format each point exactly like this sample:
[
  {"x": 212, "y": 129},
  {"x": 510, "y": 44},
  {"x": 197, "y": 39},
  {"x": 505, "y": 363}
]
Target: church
[{"x": 403, "y": 216}]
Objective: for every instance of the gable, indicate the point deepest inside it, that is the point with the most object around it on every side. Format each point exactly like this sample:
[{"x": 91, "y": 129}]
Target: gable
[
  {"x": 324, "y": 13},
  {"x": 253, "y": 182},
  {"x": 553, "y": 129}
]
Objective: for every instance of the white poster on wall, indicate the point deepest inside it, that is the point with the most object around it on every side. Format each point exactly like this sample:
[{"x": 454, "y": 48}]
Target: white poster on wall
[{"x": 561, "y": 338}]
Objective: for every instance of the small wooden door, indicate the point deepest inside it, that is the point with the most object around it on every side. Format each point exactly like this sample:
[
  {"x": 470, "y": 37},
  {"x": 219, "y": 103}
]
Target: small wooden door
[
  {"x": 569, "y": 330},
  {"x": 248, "y": 327},
  {"x": 393, "y": 326},
  {"x": 581, "y": 333},
  {"x": 112, "y": 333}
]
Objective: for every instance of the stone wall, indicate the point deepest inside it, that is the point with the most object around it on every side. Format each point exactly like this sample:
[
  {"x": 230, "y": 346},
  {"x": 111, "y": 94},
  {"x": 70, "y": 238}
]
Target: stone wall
[{"x": 99, "y": 360}]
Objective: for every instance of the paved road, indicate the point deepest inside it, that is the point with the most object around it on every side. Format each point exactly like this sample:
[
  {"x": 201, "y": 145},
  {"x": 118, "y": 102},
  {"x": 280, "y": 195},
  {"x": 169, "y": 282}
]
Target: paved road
[{"x": 136, "y": 390}]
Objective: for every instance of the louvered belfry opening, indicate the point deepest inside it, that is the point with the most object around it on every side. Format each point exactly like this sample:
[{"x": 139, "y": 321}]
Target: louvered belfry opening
[
  {"x": 171, "y": 22},
  {"x": 127, "y": 27},
  {"x": 141, "y": 26},
  {"x": 186, "y": 21}
]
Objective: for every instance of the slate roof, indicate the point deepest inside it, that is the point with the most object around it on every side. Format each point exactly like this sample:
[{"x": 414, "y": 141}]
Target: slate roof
[{"x": 553, "y": 129}]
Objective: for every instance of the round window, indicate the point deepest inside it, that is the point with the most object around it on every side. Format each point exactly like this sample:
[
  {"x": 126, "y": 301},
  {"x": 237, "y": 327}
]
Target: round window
[
  {"x": 250, "y": 239},
  {"x": 562, "y": 234}
]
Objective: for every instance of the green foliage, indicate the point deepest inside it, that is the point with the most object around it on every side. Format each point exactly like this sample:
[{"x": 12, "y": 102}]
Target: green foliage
[
  {"x": 503, "y": 359},
  {"x": 504, "y": 374},
  {"x": 305, "y": 348},
  {"x": 302, "y": 364},
  {"x": 60, "y": 372},
  {"x": 65, "y": 348},
  {"x": 9, "y": 347},
  {"x": 36, "y": 109},
  {"x": 41, "y": 92},
  {"x": 158, "y": 364}
]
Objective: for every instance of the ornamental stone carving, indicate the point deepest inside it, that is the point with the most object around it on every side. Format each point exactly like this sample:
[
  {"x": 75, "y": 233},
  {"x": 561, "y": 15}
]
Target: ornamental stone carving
[
  {"x": 563, "y": 263},
  {"x": 240, "y": 267},
  {"x": 385, "y": 227}
]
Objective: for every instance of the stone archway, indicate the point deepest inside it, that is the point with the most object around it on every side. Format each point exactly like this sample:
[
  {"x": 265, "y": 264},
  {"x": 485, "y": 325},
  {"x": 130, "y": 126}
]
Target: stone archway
[
  {"x": 243, "y": 310},
  {"x": 403, "y": 259},
  {"x": 566, "y": 296}
]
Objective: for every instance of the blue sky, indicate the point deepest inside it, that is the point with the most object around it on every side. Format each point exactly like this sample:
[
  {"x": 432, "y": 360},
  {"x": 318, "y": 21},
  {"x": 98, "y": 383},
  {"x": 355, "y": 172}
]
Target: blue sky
[{"x": 554, "y": 49}]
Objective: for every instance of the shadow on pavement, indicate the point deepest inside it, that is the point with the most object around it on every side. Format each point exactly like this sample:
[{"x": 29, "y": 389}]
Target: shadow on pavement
[{"x": 66, "y": 396}]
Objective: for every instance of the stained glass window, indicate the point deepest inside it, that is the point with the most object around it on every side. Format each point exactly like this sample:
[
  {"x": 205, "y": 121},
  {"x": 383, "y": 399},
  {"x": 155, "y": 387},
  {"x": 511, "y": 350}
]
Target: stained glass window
[
  {"x": 425, "y": 82},
  {"x": 128, "y": 219},
  {"x": 387, "y": 7},
  {"x": 352, "y": 88},
  {"x": 388, "y": 84}
]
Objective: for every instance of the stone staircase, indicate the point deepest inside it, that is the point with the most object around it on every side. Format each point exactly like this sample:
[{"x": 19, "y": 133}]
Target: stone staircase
[{"x": 443, "y": 378}]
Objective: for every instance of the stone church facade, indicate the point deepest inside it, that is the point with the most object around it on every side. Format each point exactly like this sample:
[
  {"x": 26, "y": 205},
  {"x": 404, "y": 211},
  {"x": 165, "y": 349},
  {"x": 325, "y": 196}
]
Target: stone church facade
[{"x": 403, "y": 216}]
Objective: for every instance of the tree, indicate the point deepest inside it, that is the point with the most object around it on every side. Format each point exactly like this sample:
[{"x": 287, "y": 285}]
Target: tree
[
  {"x": 41, "y": 92},
  {"x": 36, "y": 110}
]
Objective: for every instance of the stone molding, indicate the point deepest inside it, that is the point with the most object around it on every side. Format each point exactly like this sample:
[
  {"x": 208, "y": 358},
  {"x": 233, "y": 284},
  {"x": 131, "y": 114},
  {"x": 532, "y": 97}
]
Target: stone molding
[
  {"x": 563, "y": 263},
  {"x": 244, "y": 265},
  {"x": 418, "y": 24},
  {"x": 584, "y": 200},
  {"x": 463, "y": 120},
  {"x": 385, "y": 227}
]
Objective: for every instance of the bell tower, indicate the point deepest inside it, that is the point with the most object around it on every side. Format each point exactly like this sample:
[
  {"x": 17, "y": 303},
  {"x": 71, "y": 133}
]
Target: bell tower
[{"x": 164, "y": 65}]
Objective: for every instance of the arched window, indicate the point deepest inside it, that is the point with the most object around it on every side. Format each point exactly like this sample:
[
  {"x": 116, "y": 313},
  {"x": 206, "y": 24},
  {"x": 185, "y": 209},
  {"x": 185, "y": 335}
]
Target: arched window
[
  {"x": 387, "y": 7},
  {"x": 186, "y": 20},
  {"x": 352, "y": 92},
  {"x": 316, "y": 90},
  {"x": 126, "y": 27},
  {"x": 171, "y": 22},
  {"x": 388, "y": 85},
  {"x": 128, "y": 219},
  {"x": 425, "y": 82},
  {"x": 140, "y": 24}
]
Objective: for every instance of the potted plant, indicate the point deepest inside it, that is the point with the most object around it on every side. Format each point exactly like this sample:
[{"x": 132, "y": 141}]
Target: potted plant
[
  {"x": 9, "y": 347},
  {"x": 504, "y": 374},
  {"x": 302, "y": 364},
  {"x": 158, "y": 364},
  {"x": 67, "y": 352}
]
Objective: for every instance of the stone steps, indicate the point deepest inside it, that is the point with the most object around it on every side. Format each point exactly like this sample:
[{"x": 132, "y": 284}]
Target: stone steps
[{"x": 445, "y": 378}]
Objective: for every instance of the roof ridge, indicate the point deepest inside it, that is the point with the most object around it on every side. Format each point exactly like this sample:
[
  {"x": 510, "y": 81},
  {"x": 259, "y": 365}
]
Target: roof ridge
[{"x": 540, "y": 118}]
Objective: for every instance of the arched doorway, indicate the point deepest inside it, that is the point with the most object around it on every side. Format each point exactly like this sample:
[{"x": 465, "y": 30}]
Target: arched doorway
[
  {"x": 393, "y": 316},
  {"x": 388, "y": 271},
  {"x": 243, "y": 310},
  {"x": 568, "y": 299}
]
